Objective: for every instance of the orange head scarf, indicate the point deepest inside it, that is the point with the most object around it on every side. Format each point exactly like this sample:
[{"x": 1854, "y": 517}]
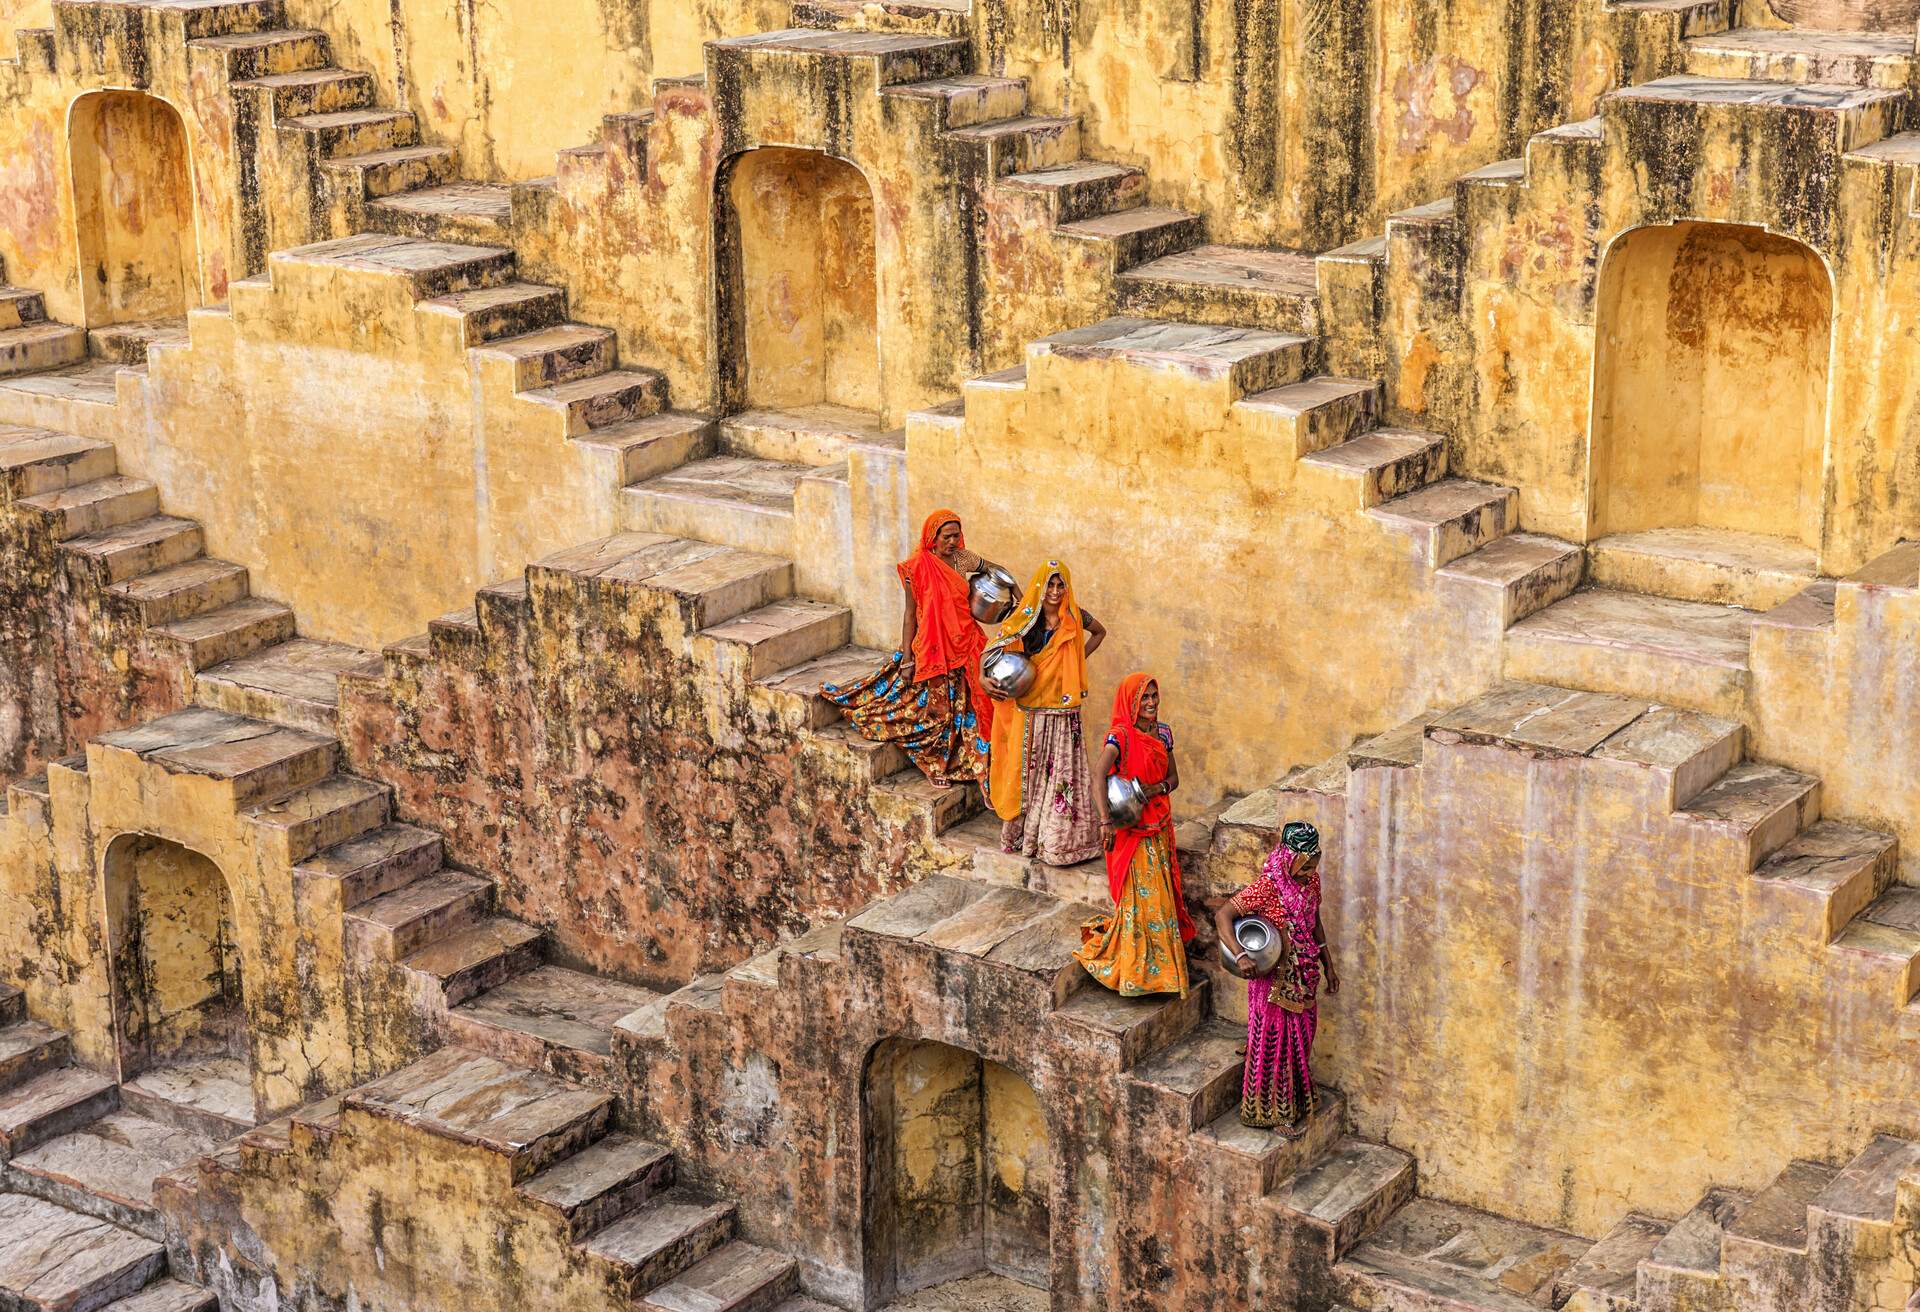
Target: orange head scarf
[
  {"x": 1060, "y": 684},
  {"x": 945, "y": 635}
]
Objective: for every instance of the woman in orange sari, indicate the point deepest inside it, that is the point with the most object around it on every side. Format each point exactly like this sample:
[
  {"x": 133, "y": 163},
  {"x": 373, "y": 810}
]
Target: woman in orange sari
[
  {"x": 1040, "y": 786},
  {"x": 1141, "y": 947},
  {"x": 928, "y": 697}
]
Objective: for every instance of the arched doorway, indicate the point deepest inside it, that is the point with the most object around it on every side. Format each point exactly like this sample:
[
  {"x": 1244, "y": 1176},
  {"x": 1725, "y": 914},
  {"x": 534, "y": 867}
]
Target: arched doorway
[
  {"x": 178, "y": 996},
  {"x": 1710, "y": 384},
  {"x": 133, "y": 208},
  {"x": 798, "y": 282},
  {"x": 959, "y": 1171}
]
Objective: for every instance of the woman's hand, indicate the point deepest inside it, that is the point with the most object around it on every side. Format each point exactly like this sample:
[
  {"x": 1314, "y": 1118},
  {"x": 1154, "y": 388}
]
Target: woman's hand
[
  {"x": 1242, "y": 966},
  {"x": 1332, "y": 977},
  {"x": 1108, "y": 831}
]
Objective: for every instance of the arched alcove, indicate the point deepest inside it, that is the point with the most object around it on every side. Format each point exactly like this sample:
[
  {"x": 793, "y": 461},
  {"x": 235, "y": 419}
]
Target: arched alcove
[
  {"x": 799, "y": 305},
  {"x": 133, "y": 208},
  {"x": 1710, "y": 383},
  {"x": 959, "y": 1171},
  {"x": 178, "y": 995}
]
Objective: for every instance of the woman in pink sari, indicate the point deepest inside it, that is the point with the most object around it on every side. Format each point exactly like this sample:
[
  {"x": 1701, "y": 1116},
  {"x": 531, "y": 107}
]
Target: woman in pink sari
[{"x": 1276, "y": 1093}]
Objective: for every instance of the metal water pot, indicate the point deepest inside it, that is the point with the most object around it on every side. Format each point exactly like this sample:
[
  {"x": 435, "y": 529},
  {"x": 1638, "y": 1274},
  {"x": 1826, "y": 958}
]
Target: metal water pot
[
  {"x": 1006, "y": 672},
  {"x": 1259, "y": 939},
  {"x": 1126, "y": 800},
  {"x": 992, "y": 594}
]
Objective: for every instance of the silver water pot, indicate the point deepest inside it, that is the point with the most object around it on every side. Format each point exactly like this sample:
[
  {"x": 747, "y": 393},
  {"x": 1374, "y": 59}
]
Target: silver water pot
[
  {"x": 1126, "y": 800},
  {"x": 1006, "y": 672},
  {"x": 992, "y": 594},
  {"x": 1258, "y": 939}
]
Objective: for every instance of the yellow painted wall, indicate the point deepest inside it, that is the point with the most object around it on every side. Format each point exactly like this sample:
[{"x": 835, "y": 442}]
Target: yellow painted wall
[
  {"x": 177, "y": 985},
  {"x": 133, "y": 208}
]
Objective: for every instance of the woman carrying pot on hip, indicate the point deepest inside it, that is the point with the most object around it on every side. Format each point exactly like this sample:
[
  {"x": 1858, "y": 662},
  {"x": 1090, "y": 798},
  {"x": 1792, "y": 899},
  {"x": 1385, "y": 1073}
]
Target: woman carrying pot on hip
[{"x": 1141, "y": 947}]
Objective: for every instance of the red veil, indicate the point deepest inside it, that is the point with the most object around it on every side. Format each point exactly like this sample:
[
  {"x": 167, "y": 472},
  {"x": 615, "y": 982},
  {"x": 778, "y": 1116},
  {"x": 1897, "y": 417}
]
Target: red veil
[
  {"x": 945, "y": 635},
  {"x": 1145, "y": 757}
]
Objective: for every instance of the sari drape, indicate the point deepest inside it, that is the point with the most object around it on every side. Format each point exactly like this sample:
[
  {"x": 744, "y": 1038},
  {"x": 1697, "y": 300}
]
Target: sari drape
[{"x": 1060, "y": 683}]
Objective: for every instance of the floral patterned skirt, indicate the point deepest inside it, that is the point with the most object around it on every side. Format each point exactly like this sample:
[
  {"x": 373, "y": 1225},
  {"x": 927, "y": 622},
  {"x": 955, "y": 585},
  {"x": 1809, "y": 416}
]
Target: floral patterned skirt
[
  {"x": 1137, "y": 949},
  {"x": 1057, "y": 823},
  {"x": 932, "y": 720}
]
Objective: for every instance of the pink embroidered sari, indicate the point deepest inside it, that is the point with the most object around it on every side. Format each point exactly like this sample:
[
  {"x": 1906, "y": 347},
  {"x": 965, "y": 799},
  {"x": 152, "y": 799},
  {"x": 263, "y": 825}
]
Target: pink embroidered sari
[{"x": 1277, "y": 1089}]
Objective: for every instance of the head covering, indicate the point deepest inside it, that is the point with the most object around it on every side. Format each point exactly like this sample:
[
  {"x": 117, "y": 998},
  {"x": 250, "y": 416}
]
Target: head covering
[
  {"x": 1059, "y": 684},
  {"x": 1126, "y": 701},
  {"x": 945, "y": 636},
  {"x": 1301, "y": 837}
]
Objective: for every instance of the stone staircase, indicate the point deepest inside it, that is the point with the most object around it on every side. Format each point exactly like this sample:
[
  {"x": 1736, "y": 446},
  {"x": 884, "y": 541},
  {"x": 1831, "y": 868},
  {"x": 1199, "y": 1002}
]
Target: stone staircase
[
  {"x": 78, "y": 1227},
  {"x": 29, "y": 341},
  {"x": 543, "y": 1155}
]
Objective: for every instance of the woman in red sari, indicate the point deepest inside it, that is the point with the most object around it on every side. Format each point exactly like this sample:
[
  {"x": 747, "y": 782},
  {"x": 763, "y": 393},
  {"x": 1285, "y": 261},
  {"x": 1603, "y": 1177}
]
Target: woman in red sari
[
  {"x": 1140, "y": 947},
  {"x": 928, "y": 697}
]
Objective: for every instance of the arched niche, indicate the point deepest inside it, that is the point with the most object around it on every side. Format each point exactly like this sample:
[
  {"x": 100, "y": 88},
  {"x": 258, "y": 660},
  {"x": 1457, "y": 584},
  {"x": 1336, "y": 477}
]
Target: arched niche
[
  {"x": 799, "y": 291},
  {"x": 958, "y": 1171},
  {"x": 1710, "y": 383},
  {"x": 133, "y": 208}
]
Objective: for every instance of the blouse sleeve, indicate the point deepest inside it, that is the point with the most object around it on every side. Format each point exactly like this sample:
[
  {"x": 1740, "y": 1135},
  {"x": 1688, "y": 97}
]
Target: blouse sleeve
[
  {"x": 1166, "y": 734},
  {"x": 1243, "y": 902}
]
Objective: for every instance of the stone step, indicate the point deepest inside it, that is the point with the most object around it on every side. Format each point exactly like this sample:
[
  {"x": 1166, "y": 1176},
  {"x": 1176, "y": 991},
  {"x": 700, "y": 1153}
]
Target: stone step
[
  {"x": 212, "y": 1096},
  {"x": 507, "y": 309},
  {"x": 783, "y": 634},
  {"x": 1138, "y": 234},
  {"x": 1605, "y": 1277},
  {"x": 604, "y": 400},
  {"x": 33, "y": 347},
  {"x": 470, "y": 961},
  {"x": 453, "y": 211},
  {"x": 168, "y": 1295},
  {"x": 663, "y": 1238},
  {"x": 1384, "y": 463},
  {"x": 1867, "y": 1189},
  {"x": 1132, "y": 1028},
  {"x": 251, "y": 56},
  {"x": 1794, "y": 54},
  {"x": 1767, "y": 1241},
  {"x": 341, "y": 132},
  {"x": 56, "y": 1260},
  {"x": 29, "y": 1049},
  {"x": 1758, "y": 806},
  {"x": 1887, "y": 935},
  {"x": 376, "y": 862},
  {"x": 1830, "y": 119},
  {"x": 1684, "y": 1268},
  {"x": 977, "y": 844},
  {"x": 736, "y": 1277},
  {"x": 51, "y": 1104},
  {"x": 1082, "y": 189},
  {"x": 1194, "y": 1081},
  {"x": 649, "y": 447},
  {"x": 550, "y": 1019},
  {"x": 561, "y": 353},
  {"x": 257, "y": 759},
  {"x": 21, "y": 305},
  {"x": 1020, "y": 143},
  {"x": 1544, "y": 719},
  {"x": 1245, "y": 360},
  {"x": 295, "y": 683},
  {"x": 895, "y": 57},
  {"x": 1318, "y": 412},
  {"x": 128, "y": 343},
  {"x": 1836, "y": 870},
  {"x": 1685, "y": 653},
  {"x": 796, "y": 690},
  {"x": 968, "y": 98},
  {"x": 1715, "y": 566},
  {"x": 604, "y": 1181},
  {"x": 183, "y": 591},
  {"x": 113, "y": 555},
  {"x": 708, "y": 583},
  {"x": 105, "y": 503},
  {"x": 106, "y": 1168},
  {"x": 1247, "y": 286},
  {"x": 398, "y": 924},
  {"x": 1251, "y": 1163},
  {"x": 1448, "y": 519},
  {"x": 1432, "y": 1255},
  {"x": 908, "y": 791},
  {"x": 432, "y": 269},
  {"x": 732, "y": 500},
  {"x": 377, "y": 173},
  {"x": 1519, "y": 574},
  {"x": 1344, "y": 1196},
  {"x": 234, "y": 631},
  {"x": 313, "y": 90},
  {"x": 529, "y": 1120},
  {"x": 37, "y": 460},
  {"x": 806, "y": 435},
  {"x": 312, "y": 819}
]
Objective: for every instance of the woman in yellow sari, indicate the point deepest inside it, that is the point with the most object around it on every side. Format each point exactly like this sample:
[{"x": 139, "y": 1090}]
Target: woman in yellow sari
[{"x": 1040, "y": 786}]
